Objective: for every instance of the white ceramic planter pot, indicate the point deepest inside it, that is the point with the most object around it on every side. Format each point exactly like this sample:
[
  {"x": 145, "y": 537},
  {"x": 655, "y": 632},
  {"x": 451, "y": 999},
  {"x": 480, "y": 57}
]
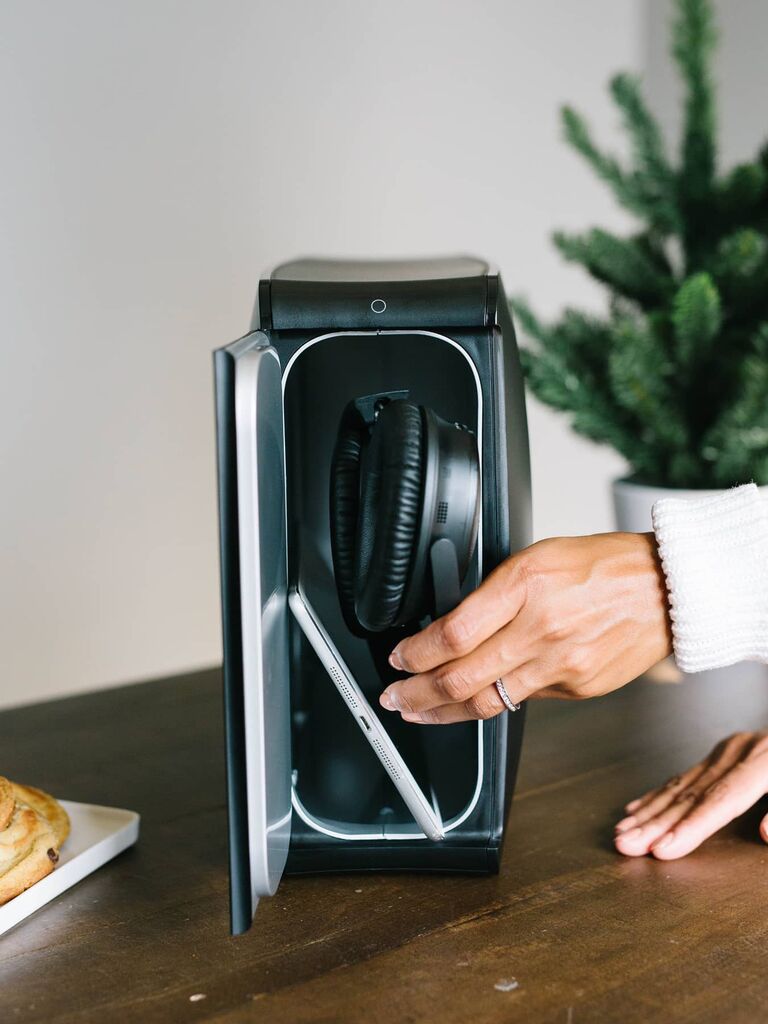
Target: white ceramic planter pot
[{"x": 632, "y": 505}]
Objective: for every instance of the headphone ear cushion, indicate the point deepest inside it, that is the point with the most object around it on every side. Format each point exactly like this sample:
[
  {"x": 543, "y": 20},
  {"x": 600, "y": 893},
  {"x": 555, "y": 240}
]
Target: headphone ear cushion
[
  {"x": 391, "y": 496},
  {"x": 344, "y": 505}
]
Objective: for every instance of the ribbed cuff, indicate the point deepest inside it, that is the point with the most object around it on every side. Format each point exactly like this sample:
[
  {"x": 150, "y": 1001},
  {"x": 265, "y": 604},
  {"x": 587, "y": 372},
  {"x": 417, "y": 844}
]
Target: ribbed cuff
[{"x": 714, "y": 553}]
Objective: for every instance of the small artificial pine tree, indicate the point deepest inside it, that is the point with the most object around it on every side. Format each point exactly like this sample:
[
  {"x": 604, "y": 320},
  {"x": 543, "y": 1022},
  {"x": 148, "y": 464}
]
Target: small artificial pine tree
[{"x": 675, "y": 376}]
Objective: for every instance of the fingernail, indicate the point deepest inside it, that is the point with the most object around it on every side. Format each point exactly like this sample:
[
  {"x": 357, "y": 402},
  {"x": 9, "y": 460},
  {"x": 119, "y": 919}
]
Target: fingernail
[
  {"x": 632, "y": 805},
  {"x": 663, "y": 842},
  {"x": 395, "y": 662},
  {"x": 388, "y": 700},
  {"x": 633, "y": 833},
  {"x": 412, "y": 716},
  {"x": 625, "y": 824}
]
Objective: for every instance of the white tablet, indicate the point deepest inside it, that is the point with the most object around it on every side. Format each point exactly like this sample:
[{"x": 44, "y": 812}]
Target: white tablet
[{"x": 424, "y": 813}]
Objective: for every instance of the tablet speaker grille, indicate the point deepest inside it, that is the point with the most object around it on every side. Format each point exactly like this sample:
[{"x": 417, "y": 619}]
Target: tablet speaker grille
[
  {"x": 344, "y": 687},
  {"x": 386, "y": 759}
]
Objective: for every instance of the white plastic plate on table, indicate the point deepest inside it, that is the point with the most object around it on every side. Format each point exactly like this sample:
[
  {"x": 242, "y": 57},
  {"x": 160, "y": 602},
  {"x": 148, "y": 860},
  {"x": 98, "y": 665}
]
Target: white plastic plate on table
[{"x": 98, "y": 834}]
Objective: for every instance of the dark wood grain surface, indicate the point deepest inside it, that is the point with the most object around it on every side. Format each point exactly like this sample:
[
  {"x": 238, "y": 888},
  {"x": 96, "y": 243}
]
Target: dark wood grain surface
[{"x": 569, "y": 932}]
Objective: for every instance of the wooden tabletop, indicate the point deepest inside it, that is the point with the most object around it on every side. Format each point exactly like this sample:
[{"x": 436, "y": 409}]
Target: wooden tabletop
[{"x": 569, "y": 932}]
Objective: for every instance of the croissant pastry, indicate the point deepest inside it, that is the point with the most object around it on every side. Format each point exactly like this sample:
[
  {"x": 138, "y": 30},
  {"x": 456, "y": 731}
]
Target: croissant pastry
[{"x": 33, "y": 828}]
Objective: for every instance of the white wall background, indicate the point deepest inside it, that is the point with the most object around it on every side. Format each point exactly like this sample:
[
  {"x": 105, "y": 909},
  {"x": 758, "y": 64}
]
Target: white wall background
[{"x": 157, "y": 155}]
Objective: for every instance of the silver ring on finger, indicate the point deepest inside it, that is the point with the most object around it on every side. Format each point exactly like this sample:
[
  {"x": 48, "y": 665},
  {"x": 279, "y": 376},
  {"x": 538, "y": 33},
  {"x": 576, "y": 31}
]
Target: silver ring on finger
[{"x": 508, "y": 702}]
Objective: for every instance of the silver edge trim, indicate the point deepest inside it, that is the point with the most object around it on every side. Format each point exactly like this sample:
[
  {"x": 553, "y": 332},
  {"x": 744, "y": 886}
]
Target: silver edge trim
[{"x": 250, "y": 617}]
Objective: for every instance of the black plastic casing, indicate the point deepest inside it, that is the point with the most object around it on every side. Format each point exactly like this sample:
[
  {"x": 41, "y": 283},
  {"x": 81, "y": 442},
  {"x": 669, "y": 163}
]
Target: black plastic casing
[{"x": 463, "y": 299}]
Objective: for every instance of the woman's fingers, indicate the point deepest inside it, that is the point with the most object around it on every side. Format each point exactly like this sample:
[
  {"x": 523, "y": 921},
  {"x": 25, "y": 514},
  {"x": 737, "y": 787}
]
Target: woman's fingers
[
  {"x": 729, "y": 797},
  {"x": 484, "y": 612},
  {"x": 638, "y": 841},
  {"x": 641, "y": 839},
  {"x": 484, "y": 704},
  {"x": 726, "y": 753},
  {"x": 666, "y": 811},
  {"x": 458, "y": 681},
  {"x": 671, "y": 784},
  {"x": 657, "y": 800}
]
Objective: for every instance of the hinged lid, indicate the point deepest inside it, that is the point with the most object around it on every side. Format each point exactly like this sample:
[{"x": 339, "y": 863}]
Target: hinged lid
[{"x": 258, "y": 690}]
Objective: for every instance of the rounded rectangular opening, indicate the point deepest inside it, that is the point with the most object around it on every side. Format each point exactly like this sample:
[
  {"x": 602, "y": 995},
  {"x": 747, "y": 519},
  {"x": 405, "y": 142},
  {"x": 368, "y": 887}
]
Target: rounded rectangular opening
[{"x": 339, "y": 786}]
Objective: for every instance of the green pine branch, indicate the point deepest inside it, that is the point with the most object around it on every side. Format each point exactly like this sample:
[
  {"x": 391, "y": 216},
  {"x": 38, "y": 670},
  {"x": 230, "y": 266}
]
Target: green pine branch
[
  {"x": 593, "y": 414},
  {"x": 630, "y": 189},
  {"x": 736, "y": 446},
  {"x": 694, "y": 40},
  {"x": 675, "y": 375},
  {"x": 740, "y": 271},
  {"x": 654, "y": 178},
  {"x": 696, "y": 317},
  {"x": 620, "y": 263}
]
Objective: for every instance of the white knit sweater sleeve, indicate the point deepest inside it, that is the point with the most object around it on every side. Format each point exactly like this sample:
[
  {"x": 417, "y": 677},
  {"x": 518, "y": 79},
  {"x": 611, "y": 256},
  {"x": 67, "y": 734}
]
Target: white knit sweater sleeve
[{"x": 714, "y": 553}]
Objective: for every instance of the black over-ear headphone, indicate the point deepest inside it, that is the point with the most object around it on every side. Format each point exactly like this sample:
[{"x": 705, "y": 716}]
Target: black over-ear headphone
[{"x": 405, "y": 502}]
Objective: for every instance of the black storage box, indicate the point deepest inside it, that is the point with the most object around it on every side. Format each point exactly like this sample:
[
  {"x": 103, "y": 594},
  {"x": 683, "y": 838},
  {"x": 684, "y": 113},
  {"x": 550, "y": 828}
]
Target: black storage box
[{"x": 306, "y": 792}]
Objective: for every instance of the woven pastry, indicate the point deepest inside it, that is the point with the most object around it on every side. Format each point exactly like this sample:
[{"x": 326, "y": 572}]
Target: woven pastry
[
  {"x": 7, "y": 801},
  {"x": 33, "y": 827},
  {"x": 45, "y": 805}
]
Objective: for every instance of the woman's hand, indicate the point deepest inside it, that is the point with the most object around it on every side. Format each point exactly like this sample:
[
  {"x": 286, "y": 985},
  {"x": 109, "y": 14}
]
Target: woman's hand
[
  {"x": 677, "y": 817},
  {"x": 569, "y": 617}
]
